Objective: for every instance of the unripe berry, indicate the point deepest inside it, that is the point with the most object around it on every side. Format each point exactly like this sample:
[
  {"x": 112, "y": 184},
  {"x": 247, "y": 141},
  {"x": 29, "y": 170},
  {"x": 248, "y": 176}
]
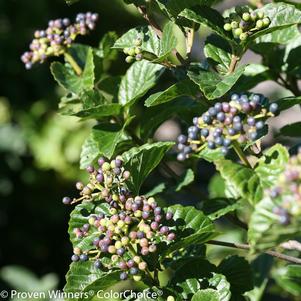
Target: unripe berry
[
  {"x": 234, "y": 24},
  {"x": 77, "y": 251},
  {"x": 238, "y": 32},
  {"x": 129, "y": 59},
  {"x": 131, "y": 52},
  {"x": 126, "y": 174},
  {"x": 259, "y": 24},
  {"x": 260, "y": 15},
  {"x": 137, "y": 277},
  {"x": 112, "y": 249},
  {"x": 227, "y": 27},
  {"x": 79, "y": 186},
  {"x": 243, "y": 36},
  {"x": 142, "y": 265},
  {"x": 246, "y": 16},
  {"x": 266, "y": 21},
  {"x": 170, "y": 298},
  {"x": 138, "y": 42},
  {"x": 144, "y": 251}
]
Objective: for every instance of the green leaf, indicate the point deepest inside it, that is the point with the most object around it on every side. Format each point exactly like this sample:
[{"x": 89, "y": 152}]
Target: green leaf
[
  {"x": 151, "y": 43},
  {"x": 79, "y": 216},
  {"x": 105, "y": 46},
  {"x": 141, "y": 161},
  {"x": 140, "y": 77},
  {"x": 271, "y": 165},
  {"x": 189, "y": 274},
  {"x": 186, "y": 179},
  {"x": 216, "y": 187},
  {"x": 216, "y": 208},
  {"x": 69, "y": 2},
  {"x": 150, "y": 40},
  {"x": 67, "y": 78},
  {"x": 212, "y": 84},
  {"x": 291, "y": 130},
  {"x": 265, "y": 229},
  {"x": 89, "y": 153},
  {"x": 282, "y": 16},
  {"x": 209, "y": 154},
  {"x": 222, "y": 286},
  {"x": 156, "y": 190},
  {"x": 238, "y": 272},
  {"x": 218, "y": 53},
  {"x": 183, "y": 88},
  {"x": 296, "y": 4},
  {"x": 173, "y": 7},
  {"x": 253, "y": 75},
  {"x": 240, "y": 180},
  {"x": 88, "y": 105},
  {"x": 184, "y": 107},
  {"x": 206, "y": 295},
  {"x": 191, "y": 227},
  {"x": 288, "y": 102},
  {"x": 207, "y": 16},
  {"x": 168, "y": 41},
  {"x": 261, "y": 266},
  {"x": 289, "y": 279},
  {"x": 108, "y": 136},
  {"x": 84, "y": 278}
]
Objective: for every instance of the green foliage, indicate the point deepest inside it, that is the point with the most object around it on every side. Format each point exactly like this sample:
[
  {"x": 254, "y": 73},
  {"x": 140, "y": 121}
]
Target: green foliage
[{"x": 124, "y": 108}]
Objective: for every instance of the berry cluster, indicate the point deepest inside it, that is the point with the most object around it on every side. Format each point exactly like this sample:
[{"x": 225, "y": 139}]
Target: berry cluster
[
  {"x": 59, "y": 35},
  {"x": 287, "y": 192},
  {"x": 132, "y": 228},
  {"x": 107, "y": 182},
  {"x": 239, "y": 120},
  {"x": 245, "y": 23},
  {"x": 135, "y": 52}
]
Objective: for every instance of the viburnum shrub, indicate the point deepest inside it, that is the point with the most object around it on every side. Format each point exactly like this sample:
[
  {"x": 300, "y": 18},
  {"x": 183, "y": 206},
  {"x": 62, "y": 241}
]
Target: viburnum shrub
[{"x": 120, "y": 230}]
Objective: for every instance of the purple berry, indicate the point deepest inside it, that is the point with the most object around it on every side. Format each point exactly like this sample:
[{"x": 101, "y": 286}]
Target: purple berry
[{"x": 67, "y": 200}]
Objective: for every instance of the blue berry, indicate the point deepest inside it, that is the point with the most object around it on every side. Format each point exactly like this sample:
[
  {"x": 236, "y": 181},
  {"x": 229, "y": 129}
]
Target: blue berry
[
  {"x": 182, "y": 139},
  {"x": 237, "y": 126},
  {"x": 244, "y": 98},
  {"x": 255, "y": 98},
  {"x": 67, "y": 200},
  {"x": 259, "y": 125},
  {"x": 227, "y": 142},
  {"x": 187, "y": 150},
  {"x": 220, "y": 116},
  {"x": 83, "y": 257},
  {"x": 224, "y": 150},
  {"x": 253, "y": 136},
  {"x": 218, "y": 106},
  {"x": 75, "y": 258},
  {"x": 206, "y": 119},
  {"x": 235, "y": 97},
  {"x": 98, "y": 264},
  {"x": 251, "y": 121},
  {"x": 236, "y": 119},
  {"x": 273, "y": 108},
  {"x": 205, "y": 132},
  {"x": 211, "y": 144},
  {"x": 231, "y": 131},
  {"x": 134, "y": 271},
  {"x": 212, "y": 111},
  {"x": 181, "y": 157},
  {"x": 123, "y": 276},
  {"x": 219, "y": 141},
  {"x": 120, "y": 251}
]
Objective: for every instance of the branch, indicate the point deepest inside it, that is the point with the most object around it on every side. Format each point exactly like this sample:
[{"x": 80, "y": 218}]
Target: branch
[
  {"x": 247, "y": 247},
  {"x": 233, "y": 64},
  {"x": 143, "y": 11}
]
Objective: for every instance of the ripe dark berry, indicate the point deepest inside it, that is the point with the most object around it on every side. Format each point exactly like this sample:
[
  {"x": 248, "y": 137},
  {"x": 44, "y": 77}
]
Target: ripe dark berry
[
  {"x": 83, "y": 257},
  {"x": 273, "y": 108},
  {"x": 67, "y": 200},
  {"x": 259, "y": 125},
  {"x": 211, "y": 144},
  {"x": 169, "y": 216},
  {"x": 98, "y": 264},
  {"x": 90, "y": 169},
  {"x": 75, "y": 258},
  {"x": 134, "y": 271},
  {"x": 123, "y": 276}
]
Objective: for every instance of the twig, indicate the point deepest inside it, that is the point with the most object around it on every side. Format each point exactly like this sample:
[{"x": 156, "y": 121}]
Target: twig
[
  {"x": 233, "y": 64},
  {"x": 240, "y": 154},
  {"x": 73, "y": 63},
  {"x": 247, "y": 247}
]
